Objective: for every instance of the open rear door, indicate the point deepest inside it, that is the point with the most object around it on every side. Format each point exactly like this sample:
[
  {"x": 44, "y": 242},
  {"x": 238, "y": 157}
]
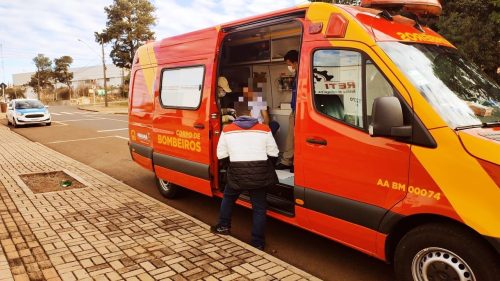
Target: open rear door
[{"x": 182, "y": 146}]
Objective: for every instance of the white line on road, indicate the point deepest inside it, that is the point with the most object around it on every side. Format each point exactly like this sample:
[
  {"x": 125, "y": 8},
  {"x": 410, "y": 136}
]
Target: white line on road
[
  {"x": 86, "y": 119},
  {"x": 120, "y": 137},
  {"x": 56, "y": 114},
  {"x": 59, "y": 123},
  {"x": 80, "y": 139},
  {"x": 112, "y": 130}
]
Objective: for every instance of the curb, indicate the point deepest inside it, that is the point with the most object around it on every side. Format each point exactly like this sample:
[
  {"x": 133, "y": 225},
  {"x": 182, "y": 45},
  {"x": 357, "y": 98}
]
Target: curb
[
  {"x": 117, "y": 183},
  {"x": 95, "y": 110}
]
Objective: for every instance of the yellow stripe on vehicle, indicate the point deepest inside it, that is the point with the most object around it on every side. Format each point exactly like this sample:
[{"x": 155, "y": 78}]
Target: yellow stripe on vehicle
[
  {"x": 470, "y": 190},
  {"x": 147, "y": 59}
]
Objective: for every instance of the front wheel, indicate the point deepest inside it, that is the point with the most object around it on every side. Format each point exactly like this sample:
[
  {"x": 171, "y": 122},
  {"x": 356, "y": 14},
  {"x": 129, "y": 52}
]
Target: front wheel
[
  {"x": 166, "y": 188},
  {"x": 441, "y": 252}
]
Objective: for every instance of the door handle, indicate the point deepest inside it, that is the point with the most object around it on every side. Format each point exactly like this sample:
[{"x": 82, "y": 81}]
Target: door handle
[
  {"x": 199, "y": 126},
  {"x": 318, "y": 141}
]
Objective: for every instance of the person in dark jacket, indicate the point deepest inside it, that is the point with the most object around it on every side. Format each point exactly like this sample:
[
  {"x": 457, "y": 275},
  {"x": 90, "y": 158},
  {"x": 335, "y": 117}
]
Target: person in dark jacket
[{"x": 250, "y": 146}]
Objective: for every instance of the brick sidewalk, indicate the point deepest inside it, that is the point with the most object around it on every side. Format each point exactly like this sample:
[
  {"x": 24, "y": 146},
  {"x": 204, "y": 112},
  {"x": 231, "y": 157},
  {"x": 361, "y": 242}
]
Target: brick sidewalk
[{"x": 108, "y": 230}]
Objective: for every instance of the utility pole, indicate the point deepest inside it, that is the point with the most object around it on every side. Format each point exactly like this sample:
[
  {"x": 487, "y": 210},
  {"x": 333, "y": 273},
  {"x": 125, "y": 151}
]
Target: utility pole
[{"x": 104, "y": 74}]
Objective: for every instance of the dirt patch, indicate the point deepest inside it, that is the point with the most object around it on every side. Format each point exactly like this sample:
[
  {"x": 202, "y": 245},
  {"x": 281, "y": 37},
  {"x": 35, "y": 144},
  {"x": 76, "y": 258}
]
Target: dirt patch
[{"x": 51, "y": 181}]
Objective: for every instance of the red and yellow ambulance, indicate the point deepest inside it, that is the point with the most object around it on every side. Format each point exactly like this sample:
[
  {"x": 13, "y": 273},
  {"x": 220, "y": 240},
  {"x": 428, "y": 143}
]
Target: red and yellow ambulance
[{"x": 397, "y": 137}]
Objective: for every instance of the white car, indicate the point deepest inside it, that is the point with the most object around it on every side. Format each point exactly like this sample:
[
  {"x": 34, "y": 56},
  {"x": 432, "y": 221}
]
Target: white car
[{"x": 27, "y": 111}]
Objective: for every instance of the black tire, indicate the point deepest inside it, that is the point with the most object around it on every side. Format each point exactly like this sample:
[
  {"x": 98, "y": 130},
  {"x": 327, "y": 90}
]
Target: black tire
[
  {"x": 48, "y": 124},
  {"x": 444, "y": 252},
  {"x": 167, "y": 189},
  {"x": 8, "y": 122},
  {"x": 14, "y": 123}
]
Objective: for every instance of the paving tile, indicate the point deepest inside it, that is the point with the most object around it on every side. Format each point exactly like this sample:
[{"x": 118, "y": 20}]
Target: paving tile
[{"x": 107, "y": 230}]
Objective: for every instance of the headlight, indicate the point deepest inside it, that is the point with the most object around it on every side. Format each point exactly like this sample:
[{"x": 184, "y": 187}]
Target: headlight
[{"x": 19, "y": 114}]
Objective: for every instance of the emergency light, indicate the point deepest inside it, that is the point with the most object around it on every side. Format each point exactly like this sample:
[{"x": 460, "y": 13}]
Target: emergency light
[{"x": 421, "y": 8}]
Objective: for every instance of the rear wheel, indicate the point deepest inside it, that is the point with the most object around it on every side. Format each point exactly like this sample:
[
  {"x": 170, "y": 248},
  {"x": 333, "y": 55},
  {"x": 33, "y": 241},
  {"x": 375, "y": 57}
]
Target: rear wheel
[
  {"x": 441, "y": 252},
  {"x": 166, "y": 188}
]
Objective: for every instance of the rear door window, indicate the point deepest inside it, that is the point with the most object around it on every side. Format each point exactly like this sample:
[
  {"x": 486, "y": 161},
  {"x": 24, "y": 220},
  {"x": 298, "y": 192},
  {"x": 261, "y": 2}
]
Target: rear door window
[{"x": 182, "y": 87}]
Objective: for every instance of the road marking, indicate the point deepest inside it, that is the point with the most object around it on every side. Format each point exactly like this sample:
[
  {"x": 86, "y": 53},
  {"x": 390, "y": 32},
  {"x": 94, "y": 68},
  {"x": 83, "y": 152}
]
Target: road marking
[
  {"x": 112, "y": 130},
  {"x": 53, "y": 142},
  {"x": 120, "y": 137},
  {"x": 59, "y": 123},
  {"x": 85, "y": 119},
  {"x": 56, "y": 114},
  {"x": 64, "y": 112},
  {"x": 125, "y": 121}
]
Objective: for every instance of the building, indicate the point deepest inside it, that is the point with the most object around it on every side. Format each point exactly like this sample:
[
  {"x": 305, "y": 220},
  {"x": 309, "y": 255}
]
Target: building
[{"x": 89, "y": 76}]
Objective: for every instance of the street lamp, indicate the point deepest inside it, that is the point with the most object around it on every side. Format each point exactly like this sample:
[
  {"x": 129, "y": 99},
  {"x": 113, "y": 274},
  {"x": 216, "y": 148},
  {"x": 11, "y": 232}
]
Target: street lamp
[{"x": 103, "y": 69}]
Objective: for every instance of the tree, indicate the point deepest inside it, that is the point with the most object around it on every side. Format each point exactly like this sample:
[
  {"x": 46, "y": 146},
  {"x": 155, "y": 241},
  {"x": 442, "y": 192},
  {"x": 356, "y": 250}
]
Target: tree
[
  {"x": 43, "y": 75},
  {"x": 127, "y": 28},
  {"x": 472, "y": 26},
  {"x": 61, "y": 71}
]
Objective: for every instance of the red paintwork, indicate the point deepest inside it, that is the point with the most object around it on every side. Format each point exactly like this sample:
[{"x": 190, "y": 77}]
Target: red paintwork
[
  {"x": 184, "y": 180},
  {"x": 350, "y": 166},
  {"x": 352, "y": 161},
  {"x": 353, "y": 235},
  {"x": 143, "y": 161}
]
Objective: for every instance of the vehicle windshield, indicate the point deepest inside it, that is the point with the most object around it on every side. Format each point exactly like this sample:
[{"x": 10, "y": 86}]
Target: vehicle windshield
[
  {"x": 457, "y": 89},
  {"x": 27, "y": 104}
]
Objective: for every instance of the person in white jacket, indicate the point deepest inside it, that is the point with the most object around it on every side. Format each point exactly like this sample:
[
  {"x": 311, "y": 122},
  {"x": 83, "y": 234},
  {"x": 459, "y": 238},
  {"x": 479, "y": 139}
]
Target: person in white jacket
[{"x": 250, "y": 149}]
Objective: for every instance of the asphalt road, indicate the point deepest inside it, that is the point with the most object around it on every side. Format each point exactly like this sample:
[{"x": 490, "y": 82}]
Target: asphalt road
[{"x": 100, "y": 141}]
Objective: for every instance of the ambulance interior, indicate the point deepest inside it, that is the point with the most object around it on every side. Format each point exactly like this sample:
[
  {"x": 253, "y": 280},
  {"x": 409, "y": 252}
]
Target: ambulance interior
[{"x": 252, "y": 62}]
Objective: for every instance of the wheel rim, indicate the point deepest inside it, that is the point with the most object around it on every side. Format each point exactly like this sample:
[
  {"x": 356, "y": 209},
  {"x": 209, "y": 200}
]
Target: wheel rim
[
  {"x": 165, "y": 185},
  {"x": 437, "y": 264}
]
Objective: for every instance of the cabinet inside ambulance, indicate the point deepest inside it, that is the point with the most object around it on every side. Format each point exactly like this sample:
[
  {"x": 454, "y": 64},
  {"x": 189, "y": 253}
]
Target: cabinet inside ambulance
[{"x": 252, "y": 62}]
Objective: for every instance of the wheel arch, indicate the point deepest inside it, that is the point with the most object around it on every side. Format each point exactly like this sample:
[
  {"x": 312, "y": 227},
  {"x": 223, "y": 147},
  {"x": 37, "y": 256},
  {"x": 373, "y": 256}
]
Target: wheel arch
[{"x": 404, "y": 225}]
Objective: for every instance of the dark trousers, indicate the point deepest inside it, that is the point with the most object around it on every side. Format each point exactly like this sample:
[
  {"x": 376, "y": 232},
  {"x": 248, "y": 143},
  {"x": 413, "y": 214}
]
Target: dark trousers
[{"x": 259, "y": 205}]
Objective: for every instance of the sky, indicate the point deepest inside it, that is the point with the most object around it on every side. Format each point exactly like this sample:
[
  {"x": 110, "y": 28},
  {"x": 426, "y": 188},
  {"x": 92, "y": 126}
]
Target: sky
[{"x": 57, "y": 28}]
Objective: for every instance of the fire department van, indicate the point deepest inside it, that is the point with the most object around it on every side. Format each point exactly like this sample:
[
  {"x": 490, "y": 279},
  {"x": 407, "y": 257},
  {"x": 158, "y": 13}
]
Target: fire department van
[{"x": 397, "y": 137}]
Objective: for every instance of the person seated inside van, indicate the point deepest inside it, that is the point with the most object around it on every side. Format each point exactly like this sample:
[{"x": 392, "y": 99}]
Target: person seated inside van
[
  {"x": 253, "y": 104},
  {"x": 228, "y": 113}
]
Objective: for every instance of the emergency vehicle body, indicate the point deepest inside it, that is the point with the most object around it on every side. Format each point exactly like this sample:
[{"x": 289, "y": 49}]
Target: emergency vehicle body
[{"x": 396, "y": 136}]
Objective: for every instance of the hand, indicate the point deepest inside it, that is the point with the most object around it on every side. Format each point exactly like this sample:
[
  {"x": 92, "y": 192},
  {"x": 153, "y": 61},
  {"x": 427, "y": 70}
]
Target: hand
[
  {"x": 227, "y": 118},
  {"x": 231, "y": 111}
]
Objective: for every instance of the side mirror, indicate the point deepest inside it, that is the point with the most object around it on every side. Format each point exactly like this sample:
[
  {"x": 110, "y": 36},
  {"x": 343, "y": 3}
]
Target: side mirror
[{"x": 387, "y": 119}]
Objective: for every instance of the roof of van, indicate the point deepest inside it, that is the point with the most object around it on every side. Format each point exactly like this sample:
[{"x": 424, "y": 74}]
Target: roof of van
[{"x": 379, "y": 28}]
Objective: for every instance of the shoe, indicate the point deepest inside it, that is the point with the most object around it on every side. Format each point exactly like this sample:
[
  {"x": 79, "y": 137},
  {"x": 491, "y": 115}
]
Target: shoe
[
  {"x": 219, "y": 229},
  {"x": 281, "y": 166}
]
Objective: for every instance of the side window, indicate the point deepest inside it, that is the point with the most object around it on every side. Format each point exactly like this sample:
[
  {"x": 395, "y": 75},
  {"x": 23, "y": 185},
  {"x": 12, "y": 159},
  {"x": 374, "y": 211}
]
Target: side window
[
  {"x": 376, "y": 86},
  {"x": 182, "y": 87},
  {"x": 337, "y": 85}
]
